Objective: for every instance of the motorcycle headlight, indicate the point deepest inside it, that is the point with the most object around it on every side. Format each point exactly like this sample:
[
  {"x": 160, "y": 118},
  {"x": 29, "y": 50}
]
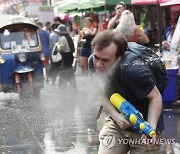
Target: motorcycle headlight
[
  {"x": 22, "y": 57},
  {"x": 2, "y": 61},
  {"x": 42, "y": 58}
]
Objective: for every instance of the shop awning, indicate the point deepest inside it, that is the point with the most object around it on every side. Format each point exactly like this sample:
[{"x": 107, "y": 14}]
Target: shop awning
[
  {"x": 144, "y": 2},
  {"x": 170, "y": 2},
  {"x": 86, "y": 4},
  {"x": 70, "y": 5},
  {"x": 64, "y": 5},
  {"x": 148, "y": 2},
  {"x": 114, "y": 2}
]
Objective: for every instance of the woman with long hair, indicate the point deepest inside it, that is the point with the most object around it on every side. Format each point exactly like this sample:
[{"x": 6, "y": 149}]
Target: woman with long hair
[
  {"x": 88, "y": 32},
  {"x": 129, "y": 29}
]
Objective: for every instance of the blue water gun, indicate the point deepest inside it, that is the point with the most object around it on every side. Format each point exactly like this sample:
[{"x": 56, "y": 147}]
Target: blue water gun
[{"x": 132, "y": 115}]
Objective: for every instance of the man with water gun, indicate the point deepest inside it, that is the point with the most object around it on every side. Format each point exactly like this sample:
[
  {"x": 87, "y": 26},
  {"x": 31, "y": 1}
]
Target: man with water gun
[{"x": 135, "y": 83}]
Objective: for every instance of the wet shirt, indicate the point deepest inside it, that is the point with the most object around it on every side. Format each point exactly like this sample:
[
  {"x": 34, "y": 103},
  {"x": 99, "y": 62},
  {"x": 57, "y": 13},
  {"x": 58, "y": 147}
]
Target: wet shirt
[
  {"x": 53, "y": 38},
  {"x": 134, "y": 81}
]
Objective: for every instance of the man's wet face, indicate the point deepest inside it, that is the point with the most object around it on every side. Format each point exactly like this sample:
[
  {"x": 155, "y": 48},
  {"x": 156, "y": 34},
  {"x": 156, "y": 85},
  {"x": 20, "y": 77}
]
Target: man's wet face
[{"x": 105, "y": 59}]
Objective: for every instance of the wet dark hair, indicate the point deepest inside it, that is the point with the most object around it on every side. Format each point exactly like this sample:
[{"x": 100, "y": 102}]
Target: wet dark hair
[
  {"x": 57, "y": 19},
  {"x": 54, "y": 26},
  {"x": 47, "y": 23},
  {"x": 105, "y": 38}
]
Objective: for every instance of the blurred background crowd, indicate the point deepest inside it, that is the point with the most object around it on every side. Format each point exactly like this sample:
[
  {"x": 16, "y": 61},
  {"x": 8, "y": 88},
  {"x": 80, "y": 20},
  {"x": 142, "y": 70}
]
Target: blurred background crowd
[{"x": 83, "y": 19}]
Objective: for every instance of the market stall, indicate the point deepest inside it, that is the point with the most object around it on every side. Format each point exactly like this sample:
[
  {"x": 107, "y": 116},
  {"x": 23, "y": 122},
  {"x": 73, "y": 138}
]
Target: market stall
[{"x": 170, "y": 57}]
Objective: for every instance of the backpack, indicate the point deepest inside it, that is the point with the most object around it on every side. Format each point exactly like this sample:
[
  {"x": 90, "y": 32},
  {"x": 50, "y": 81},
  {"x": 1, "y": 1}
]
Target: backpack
[
  {"x": 149, "y": 57},
  {"x": 62, "y": 45}
]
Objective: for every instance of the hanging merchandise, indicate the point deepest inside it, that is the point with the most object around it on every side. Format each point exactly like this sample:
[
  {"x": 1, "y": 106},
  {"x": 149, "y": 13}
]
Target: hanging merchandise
[{"x": 171, "y": 56}]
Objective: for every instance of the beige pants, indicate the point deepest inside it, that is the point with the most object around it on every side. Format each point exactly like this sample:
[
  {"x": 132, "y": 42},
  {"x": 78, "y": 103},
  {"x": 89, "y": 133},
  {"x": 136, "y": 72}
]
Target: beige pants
[{"x": 113, "y": 140}]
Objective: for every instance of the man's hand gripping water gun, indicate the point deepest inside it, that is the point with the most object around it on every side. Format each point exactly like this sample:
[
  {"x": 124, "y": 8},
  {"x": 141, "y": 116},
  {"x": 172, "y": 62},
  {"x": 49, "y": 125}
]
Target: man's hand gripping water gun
[{"x": 132, "y": 115}]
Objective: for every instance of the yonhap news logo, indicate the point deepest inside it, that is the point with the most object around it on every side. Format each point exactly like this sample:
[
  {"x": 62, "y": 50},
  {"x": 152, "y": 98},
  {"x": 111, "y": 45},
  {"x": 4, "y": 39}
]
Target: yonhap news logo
[
  {"x": 146, "y": 141},
  {"x": 110, "y": 141}
]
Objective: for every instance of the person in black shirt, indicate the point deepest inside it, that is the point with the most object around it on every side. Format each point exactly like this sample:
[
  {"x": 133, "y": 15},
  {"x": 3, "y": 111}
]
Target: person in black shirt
[
  {"x": 87, "y": 33},
  {"x": 66, "y": 74},
  {"x": 135, "y": 82}
]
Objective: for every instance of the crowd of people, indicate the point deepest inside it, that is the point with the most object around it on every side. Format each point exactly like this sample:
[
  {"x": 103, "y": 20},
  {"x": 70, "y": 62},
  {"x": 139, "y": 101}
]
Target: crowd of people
[
  {"x": 104, "y": 52},
  {"x": 49, "y": 35}
]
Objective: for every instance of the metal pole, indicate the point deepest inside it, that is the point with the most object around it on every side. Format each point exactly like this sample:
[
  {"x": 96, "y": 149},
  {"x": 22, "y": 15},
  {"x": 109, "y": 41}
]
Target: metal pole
[
  {"x": 159, "y": 18},
  {"x": 105, "y": 11}
]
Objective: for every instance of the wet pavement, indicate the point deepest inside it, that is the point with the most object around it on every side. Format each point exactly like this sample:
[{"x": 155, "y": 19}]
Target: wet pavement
[{"x": 64, "y": 121}]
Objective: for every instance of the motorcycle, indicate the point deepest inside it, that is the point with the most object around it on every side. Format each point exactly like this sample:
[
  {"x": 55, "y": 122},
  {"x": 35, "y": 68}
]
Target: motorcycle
[{"x": 21, "y": 66}]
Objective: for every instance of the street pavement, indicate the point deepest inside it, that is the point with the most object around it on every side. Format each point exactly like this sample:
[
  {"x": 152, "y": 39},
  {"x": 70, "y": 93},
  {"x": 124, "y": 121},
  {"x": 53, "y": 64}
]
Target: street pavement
[{"x": 63, "y": 121}]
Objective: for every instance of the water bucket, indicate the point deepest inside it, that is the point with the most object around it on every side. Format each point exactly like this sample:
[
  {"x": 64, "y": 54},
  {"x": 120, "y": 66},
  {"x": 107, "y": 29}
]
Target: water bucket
[{"x": 169, "y": 95}]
